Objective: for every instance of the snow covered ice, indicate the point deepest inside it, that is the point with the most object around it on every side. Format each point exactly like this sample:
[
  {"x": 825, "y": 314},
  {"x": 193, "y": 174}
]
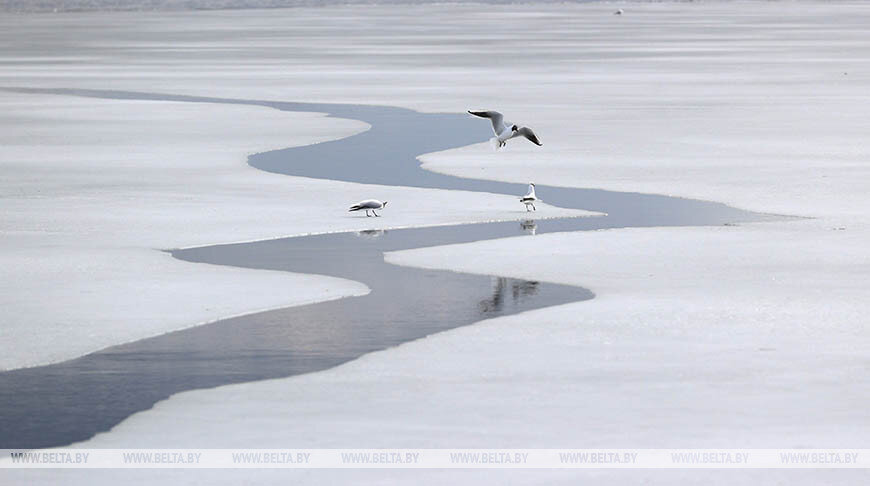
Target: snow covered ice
[{"x": 752, "y": 335}]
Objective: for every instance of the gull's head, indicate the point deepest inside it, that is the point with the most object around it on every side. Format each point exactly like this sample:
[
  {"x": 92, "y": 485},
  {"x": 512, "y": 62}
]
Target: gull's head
[
  {"x": 385, "y": 204},
  {"x": 514, "y": 128},
  {"x": 532, "y": 184}
]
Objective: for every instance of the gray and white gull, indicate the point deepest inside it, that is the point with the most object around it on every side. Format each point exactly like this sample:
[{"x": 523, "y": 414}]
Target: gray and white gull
[
  {"x": 368, "y": 205},
  {"x": 505, "y": 131},
  {"x": 530, "y": 197}
]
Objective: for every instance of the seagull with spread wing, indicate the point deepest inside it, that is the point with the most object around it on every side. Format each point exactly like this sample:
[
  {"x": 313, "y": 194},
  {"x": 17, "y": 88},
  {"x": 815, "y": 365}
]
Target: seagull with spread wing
[{"x": 505, "y": 131}]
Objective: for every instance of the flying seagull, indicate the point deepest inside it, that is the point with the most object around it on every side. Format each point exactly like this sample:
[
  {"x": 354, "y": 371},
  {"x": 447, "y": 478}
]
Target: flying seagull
[
  {"x": 368, "y": 205},
  {"x": 530, "y": 198},
  {"x": 505, "y": 131}
]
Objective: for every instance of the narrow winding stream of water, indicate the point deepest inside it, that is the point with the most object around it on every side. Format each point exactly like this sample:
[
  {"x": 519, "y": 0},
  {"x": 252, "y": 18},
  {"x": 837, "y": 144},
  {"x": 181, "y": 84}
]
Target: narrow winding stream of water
[{"x": 68, "y": 402}]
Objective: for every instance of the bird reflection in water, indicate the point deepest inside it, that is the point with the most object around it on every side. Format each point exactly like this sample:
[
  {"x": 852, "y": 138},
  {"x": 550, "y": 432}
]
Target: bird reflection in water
[
  {"x": 504, "y": 288},
  {"x": 370, "y": 234},
  {"x": 529, "y": 226}
]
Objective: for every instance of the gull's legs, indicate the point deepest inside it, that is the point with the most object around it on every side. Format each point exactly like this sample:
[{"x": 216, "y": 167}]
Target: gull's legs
[
  {"x": 367, "y": 214},
  {"x": 376, "y": 213}
]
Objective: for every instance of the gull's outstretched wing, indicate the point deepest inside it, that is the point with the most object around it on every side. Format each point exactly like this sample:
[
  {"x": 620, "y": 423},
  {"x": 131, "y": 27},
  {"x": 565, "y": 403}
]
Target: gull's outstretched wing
[
  {"x": 529, "y": 134},
  {"x": 495, "y": 117}
]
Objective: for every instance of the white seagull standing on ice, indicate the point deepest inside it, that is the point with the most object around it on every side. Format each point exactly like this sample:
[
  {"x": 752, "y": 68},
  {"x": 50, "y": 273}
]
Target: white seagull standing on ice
[
  {"x": 505, "y": 131},
  {"x": 368, "y": 205},
  {"x": 530, "y": 198}
]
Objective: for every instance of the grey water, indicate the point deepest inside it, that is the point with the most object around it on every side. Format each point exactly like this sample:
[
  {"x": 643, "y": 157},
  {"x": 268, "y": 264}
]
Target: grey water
[{"x": 67, "y": 402}]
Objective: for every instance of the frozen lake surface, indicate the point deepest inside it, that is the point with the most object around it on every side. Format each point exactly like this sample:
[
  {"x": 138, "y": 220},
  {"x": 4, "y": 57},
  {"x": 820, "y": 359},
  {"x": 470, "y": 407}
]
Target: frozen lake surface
[
  {"x": 146, "y": 5},
  {"x": 79, "y": 398}
]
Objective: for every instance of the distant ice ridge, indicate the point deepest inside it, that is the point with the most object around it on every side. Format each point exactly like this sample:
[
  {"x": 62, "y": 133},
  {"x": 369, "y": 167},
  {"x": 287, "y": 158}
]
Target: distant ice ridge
[{"x": 145, "y": 5}]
